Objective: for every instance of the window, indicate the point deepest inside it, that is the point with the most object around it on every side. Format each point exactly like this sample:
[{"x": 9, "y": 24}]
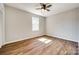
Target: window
[{"x": 35, "y": 23}]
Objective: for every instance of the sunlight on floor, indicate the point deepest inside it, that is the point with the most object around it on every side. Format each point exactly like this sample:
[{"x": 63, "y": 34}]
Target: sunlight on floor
[{"x": 44, "y": 40}]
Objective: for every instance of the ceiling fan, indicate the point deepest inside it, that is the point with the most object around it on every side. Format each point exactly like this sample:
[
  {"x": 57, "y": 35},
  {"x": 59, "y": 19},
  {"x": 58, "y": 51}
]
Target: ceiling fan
[{"x": 44, "y": 6}]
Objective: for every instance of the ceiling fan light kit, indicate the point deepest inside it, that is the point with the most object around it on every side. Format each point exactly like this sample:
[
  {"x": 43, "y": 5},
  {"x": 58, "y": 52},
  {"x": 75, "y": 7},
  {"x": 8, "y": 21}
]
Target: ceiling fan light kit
[{"x": 44, "y": 8}]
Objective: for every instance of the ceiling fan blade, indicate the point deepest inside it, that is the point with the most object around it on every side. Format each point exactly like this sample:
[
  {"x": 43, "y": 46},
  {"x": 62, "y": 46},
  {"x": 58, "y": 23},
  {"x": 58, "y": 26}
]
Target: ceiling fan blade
[
  {"x": 47, "y": 9},
  {"x": 49, "y": 6}
]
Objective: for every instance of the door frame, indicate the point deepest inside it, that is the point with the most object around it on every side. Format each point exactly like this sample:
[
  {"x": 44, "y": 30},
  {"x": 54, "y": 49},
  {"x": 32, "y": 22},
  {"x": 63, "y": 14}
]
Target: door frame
[{"x": 3, "y": 24}]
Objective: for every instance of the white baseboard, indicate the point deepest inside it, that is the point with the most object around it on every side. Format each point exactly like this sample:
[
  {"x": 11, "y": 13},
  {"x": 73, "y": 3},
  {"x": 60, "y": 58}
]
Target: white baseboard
[
  {"x": 0, "y": 46},
  {"x": 32, "y": 37},
  {"x": 13, "y": 41},
  {"x": 61, "y": 38},
  {"x": 20, "y": 40}
]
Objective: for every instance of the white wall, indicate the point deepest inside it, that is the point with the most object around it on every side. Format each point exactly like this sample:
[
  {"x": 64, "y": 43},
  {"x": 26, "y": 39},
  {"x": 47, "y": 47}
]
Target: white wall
[
  {"x": 78, "y": 25},
  {"x": 19, "y": 25},
  {"x": 2, "y": 26},
  {"x": 63, "y": 25}
]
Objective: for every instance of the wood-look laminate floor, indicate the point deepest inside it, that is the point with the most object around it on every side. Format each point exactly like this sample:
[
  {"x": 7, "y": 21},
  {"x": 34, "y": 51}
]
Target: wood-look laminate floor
[{"x": 43, "y": 45}]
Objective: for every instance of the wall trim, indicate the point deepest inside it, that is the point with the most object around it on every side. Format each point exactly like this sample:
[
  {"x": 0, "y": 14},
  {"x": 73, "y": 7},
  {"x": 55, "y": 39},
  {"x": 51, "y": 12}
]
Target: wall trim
[
  {"x": 33, "y": 38},
  {"x": 60, "y": 38},
  {"x": 0, "y": 46},
  {"x": 22, "y": 40}
]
